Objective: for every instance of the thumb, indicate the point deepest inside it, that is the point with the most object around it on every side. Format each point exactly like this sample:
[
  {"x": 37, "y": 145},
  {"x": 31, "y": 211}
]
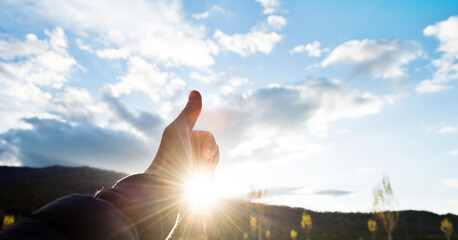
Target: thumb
[{"x": 188, "y": 117}]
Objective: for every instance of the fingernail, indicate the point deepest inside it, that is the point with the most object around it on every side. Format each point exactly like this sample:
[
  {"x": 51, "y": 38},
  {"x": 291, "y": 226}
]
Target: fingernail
[{"x": 194, "y": 95}]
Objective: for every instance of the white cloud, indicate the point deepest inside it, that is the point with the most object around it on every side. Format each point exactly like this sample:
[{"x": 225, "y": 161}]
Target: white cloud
[
  {"x": 261, "y": 38},
  {"x": 454, "y": 152},
  {"x": 26, "y": 69},
  {"x": 104, "y": 16},
  {"x": 203, "y": 15},
  {"x": 170, "y": 47},
  {"x": 376, "y": 58},
  {"x": 206, "y": 14},
  {"x": 451, "y": 182},
  {"x": 447, "y": 129},
  {"x": 163, "y": 88},
  {"x": 259, "y": 125},
  {"x": 447, "y": 67},
  {"x": 446, "y": 32},
  {"x": 276, "y": 22},
  {"x": 336, "y": 103},
  {"x": 16, "y": 48},
  {"x": 430, "y": 86},
  {"x": 224, "y": 82},
  {"x": 270, "y": 6},
  {"x": 249, "y": 43},
  {"x": 44, "y": 63},
  {"x": 75, "y": 104},
  {"x": 313, "y": 49},
  {"x": 141, "y": 76},
  {"x": 82, "y": 46},
  {"x": 151, "y": 29},
  {"x": 113, "y": 53}
]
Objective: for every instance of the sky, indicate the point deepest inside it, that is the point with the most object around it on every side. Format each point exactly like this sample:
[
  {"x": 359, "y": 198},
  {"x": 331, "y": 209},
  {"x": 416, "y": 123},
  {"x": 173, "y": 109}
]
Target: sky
[{"x": 313, "y": 100}]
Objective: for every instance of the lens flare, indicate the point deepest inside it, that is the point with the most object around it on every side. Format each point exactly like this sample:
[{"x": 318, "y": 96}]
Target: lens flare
[{"x": 200, "y": 193}]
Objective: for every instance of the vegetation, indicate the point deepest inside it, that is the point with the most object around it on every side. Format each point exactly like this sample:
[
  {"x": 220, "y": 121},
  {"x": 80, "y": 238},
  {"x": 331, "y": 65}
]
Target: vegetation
[
  {"x": 447, "y": 228},
  {"x": 306, "y": 224},
  {"x": 293, "y": 234},
  {"x": 384, "y": 203},
  {"x": 8, "y": 220},
  {"x": 372, "y": 226},
  {"x": 23, "y": 190}
]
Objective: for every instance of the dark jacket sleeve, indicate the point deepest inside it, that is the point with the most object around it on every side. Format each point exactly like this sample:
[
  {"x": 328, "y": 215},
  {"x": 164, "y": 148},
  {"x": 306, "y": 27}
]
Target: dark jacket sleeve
[{"x": 137, "y": 207}]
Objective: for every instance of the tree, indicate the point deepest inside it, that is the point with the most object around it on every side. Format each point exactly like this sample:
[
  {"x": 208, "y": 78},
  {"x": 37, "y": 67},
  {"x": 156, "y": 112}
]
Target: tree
[
  {"x": 384, "y": 202},
  {"x": 306, "y": 224},
  {"x": 372, "y": 226},
  {"x": 447, "y": 228},
  {"x": 293, "y": 234}
]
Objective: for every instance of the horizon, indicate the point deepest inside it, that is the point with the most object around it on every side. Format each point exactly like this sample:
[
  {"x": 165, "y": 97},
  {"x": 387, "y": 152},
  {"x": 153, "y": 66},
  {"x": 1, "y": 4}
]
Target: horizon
[
  {"x": 316, "y": 101},
  {"x": 241, "y": 197}
]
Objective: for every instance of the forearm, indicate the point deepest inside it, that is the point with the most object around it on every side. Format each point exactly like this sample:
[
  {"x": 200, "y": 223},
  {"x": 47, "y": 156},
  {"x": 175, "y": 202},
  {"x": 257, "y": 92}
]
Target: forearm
[
  {"x": 137, "y": 207},
  {"x": 149, "y": 202}
]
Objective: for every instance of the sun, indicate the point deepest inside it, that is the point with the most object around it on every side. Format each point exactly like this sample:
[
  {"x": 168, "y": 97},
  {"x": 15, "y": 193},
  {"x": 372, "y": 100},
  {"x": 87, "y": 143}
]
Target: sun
[{"x": 200, "y": 193}]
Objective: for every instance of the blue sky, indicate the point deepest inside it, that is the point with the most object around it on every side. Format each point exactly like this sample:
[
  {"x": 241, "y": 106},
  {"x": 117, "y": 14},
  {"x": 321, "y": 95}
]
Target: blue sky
[{"x": 314, "y": 100}]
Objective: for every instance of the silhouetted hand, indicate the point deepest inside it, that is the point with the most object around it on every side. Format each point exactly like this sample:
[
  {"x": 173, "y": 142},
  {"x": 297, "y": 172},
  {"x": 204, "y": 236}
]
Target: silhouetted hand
[{"x": 182, "y": 151}]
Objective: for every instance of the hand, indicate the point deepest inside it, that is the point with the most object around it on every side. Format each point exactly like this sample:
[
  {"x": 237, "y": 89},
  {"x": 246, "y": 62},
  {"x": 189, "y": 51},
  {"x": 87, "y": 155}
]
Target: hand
[{"x": 183, "y": 151}]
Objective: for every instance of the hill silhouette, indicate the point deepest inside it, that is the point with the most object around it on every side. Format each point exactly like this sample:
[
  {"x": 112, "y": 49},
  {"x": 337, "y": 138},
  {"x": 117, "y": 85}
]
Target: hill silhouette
[{"x": 25, "y": 189}]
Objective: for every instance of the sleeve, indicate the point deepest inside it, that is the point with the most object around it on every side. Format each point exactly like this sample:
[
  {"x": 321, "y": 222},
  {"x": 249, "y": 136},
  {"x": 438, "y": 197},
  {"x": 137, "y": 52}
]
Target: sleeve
[{"x": 137, "y": 207}]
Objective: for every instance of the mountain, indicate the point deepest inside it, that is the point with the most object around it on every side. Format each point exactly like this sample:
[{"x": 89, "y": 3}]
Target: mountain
[{"x": 25, "y": 189}]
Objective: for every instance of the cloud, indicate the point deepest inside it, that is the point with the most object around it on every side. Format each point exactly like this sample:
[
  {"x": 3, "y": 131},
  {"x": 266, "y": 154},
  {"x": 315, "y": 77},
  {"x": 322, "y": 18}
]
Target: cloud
[
  {"x": 165, "y": 89},
  {"x": 30, "y": 70},
  {"x": 313, "y": 49},
  {"x": 249, "y": 43},
  {"x": 376, "y": 58},
  {"x": 259, "y": 125},
  {"x": 104, "y": 16},
  {"x": 75, "y": 104},
  {"x": 206, "y": 14},
  {"x": 451, "y": 182},
  {"x": 144, "y": 77},
  {"x": 454, "y": 152},
  {"x": 446, "y": 65},
  {"x": 282, "y": 191},
  {"x": 445, "y": 32},
  {"x": 276, "y": 22},
  {"x": 16, "y": 48},
  {"x": 224, "y": 82},
  {"x": 430, "y": 86},
  {"x": 40, "y": 62},
  {"x": 151, "y": 29},
  {"x": 50, "y": 142},
  {"x": 261, "y": 37},
  {"x": 170, "y": 47},
  {"x": 447, "y": 129},
  {"x": 147, "y": 123},
  {"x": 332, "y": 192},
  {"x": 270, "y": 6},
  {"x": 8, "y": 154},
  {"x": 82, "y": 46}
]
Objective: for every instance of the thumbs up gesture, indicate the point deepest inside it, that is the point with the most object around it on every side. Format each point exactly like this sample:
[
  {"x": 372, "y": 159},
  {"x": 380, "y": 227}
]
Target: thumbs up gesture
[{"x": 184, "y": 151}]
